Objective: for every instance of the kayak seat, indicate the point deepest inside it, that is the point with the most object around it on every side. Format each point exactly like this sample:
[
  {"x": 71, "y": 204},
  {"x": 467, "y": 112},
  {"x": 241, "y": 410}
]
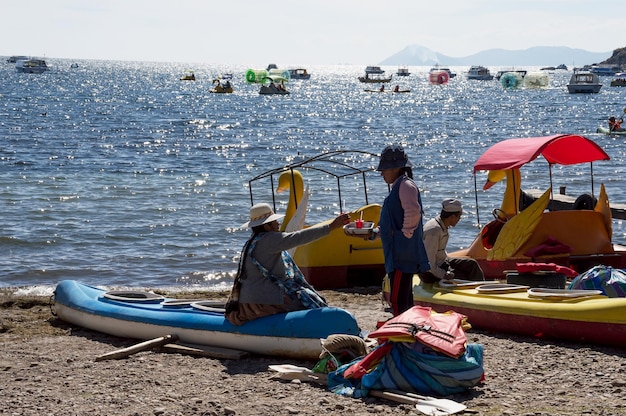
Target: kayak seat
[
  {"x": 497, "y": 288},
  {"x": 133, "y": 296},
  {"x": 208, "y": 306},
  {"x": 552, "y": 294}
]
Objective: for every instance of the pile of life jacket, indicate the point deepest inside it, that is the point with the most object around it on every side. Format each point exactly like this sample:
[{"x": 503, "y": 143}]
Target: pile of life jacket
[{"x": 420, "y": 351}]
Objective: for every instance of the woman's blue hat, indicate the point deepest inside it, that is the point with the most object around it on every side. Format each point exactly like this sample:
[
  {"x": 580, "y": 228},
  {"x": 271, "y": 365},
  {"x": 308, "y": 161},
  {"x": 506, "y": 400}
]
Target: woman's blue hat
[{"x": 393, "y": 156}]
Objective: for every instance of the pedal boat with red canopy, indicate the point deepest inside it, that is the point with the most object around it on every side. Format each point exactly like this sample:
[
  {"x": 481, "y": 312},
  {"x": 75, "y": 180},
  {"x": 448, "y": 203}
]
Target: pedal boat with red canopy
[{"x": 583, "y": 236}]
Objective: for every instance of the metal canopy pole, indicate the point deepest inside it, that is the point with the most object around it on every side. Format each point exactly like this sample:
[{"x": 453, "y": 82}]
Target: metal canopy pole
[{"x": 476, "y": 197}]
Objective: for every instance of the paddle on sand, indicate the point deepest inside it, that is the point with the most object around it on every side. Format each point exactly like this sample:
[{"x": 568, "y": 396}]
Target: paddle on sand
[{"x": 425, "y": 404}]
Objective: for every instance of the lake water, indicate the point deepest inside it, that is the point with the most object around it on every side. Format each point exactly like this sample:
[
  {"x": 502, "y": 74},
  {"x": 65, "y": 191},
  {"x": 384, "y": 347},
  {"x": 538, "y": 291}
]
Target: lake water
[{"x": 121, "y": 175}]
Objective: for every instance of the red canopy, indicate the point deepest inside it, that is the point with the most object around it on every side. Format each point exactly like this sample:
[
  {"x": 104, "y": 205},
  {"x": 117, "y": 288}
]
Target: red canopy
[{"x": 562, "y": 149}]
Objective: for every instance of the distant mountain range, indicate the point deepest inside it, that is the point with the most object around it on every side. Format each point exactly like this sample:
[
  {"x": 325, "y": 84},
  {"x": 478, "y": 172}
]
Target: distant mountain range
[{"x": 418, "y": 55}]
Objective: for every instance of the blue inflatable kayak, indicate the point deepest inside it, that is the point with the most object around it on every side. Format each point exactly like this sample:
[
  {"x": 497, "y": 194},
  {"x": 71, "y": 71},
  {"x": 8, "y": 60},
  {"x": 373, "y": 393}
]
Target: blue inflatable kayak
[{"x": 145, "y": 315}]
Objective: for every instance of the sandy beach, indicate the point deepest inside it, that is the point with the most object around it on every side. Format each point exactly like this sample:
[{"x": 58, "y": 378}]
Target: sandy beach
[{"x": 48, "y": 368}]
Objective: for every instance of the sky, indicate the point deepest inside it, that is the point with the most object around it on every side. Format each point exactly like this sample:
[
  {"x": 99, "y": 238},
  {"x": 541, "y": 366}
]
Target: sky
[{"x": 314, "y": 32}]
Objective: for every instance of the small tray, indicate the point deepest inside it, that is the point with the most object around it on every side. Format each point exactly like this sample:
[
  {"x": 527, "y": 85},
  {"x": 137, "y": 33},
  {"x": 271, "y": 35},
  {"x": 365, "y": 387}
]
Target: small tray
[{"x": 351, "y": 229}]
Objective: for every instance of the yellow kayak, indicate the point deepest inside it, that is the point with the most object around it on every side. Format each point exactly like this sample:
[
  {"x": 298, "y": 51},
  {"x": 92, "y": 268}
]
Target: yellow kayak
[{"x": 575, "y": 315}]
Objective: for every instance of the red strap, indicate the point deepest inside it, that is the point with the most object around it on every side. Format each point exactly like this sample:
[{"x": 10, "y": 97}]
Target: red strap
[
  {"x": 395, "y": 291},
  {"x": 367, "y": 363}
]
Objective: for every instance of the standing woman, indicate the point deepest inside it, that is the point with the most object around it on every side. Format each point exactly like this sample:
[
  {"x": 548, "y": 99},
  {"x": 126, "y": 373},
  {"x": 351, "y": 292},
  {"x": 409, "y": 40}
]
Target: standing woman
[{"x": 401, "y": 229}]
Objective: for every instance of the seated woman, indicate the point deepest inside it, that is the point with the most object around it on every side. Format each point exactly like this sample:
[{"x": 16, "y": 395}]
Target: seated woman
[{"x": 268, "y": 281}]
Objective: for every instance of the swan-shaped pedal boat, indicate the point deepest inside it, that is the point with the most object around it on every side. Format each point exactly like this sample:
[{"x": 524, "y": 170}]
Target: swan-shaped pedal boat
[{"x": 337, "y": 260}]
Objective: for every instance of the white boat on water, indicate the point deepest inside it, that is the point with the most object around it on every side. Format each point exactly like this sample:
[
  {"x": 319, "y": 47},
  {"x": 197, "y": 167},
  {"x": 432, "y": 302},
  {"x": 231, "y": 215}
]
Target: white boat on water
[
  {"x": 437, "y": 68},
  {"x": 584, "y": 82},
  {"x": 606, "y": 70},
  {"x": 299, "y": 73},
  {"x": 374, "y": 74},
  {"x": 371, "y": 69},
  {"x": 13, "y": 59},
  {"x": 31, "y": 66},
  {"x": 403, "y": 71},
  {"x": 480, "y": 73},
  {"x": 521, "y": 72}
]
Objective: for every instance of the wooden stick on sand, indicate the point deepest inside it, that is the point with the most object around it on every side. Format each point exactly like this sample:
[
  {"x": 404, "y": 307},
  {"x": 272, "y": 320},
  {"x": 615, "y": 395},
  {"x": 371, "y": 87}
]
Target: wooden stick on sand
[{"x": 125, "y": 352}]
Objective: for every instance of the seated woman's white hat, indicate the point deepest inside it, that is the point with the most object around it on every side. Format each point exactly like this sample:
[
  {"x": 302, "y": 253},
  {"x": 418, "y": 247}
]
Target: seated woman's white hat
[{"x": 261, "y": 214}]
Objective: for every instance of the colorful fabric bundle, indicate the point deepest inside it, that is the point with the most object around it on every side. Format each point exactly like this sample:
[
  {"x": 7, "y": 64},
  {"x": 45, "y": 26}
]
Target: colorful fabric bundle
[
  {"x": 612, "y": 282},
  {"x": 415, "y": 370}
]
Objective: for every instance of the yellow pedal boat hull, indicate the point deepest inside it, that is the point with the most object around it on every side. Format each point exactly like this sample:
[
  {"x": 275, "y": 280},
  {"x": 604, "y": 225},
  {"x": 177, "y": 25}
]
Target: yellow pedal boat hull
[{"x": 581, "y": 316}]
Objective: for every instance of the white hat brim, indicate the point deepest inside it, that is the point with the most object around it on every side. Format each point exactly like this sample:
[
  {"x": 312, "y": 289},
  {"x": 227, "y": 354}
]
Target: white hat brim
[{"x": 256, "y": 223}]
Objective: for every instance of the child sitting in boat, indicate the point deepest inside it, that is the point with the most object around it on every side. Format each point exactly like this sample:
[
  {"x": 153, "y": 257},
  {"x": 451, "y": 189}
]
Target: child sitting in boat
[{"x": 268, "y": 281}]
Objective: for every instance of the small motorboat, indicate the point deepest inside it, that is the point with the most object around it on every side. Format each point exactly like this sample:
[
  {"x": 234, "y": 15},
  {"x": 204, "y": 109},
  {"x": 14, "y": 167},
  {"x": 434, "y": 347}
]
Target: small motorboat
[
  {"x": 374, "y": 74},
  {"x": 299, "y": 73},
  {"x": 604, "y": 70},
  {"x": 584, "y": 82},
  {"x": 372, "y": 69},
  {"x": 478, "y": 72},
  {"x": 145, "y": 315},
  {"x": 31, "y": 66},
  {"x": 403, "y": 71},
  {"x": 13, "y": 59},
  {"x": 441, "y": 68},
  {"x": 521, "y": 72},
  {"x": 373, "y": 79}
]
